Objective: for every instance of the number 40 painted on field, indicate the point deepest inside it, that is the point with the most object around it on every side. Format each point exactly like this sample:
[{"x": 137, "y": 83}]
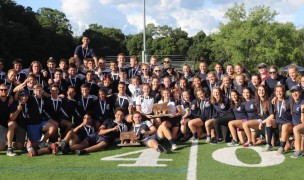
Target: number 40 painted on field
[{"x": 147, "y": 158}]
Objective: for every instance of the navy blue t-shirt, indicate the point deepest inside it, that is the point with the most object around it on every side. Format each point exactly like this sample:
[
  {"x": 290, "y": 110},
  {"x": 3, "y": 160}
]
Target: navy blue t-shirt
[
  {"x": 290, "y": 83},
  {"x": 84, "y": 52},
  {"x": 222, "y": 108},
  {"x": 239, "y": 111},
  {"x": 282, "y": 111},
  {"x": 272, "y": 83},
  {"x": 251, "y": 109},
  {"x": 296, "y": 112}
]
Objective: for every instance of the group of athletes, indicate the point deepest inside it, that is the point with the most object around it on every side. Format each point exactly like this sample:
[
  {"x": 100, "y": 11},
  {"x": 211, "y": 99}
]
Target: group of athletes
[{"x": 82, "y": 105}]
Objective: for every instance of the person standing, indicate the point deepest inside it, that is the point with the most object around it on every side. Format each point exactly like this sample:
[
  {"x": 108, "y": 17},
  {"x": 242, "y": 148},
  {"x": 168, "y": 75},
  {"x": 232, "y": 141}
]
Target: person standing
[{"x": 83, "y": 51}]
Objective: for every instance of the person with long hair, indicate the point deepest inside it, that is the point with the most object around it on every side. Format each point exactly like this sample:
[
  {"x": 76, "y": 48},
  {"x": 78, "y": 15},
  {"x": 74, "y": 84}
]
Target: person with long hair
[
  {"x": 223, "y": 114},
  {"x": 172, "y": 121},
  {"x": 254, "y": 118},
  {"x": 201, "y": 111},
  {"x": 294, "y": 77},
  {"x": 227, "y": 86},
  {"x": 281, "y": 112},
  {"x": 297, "y": 108},
  {"x": 238, "y": 108}
]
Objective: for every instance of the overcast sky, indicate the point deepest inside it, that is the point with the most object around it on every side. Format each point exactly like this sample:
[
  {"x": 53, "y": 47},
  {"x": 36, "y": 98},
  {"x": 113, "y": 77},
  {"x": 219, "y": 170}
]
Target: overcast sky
[{"x": 191, "y": 15}]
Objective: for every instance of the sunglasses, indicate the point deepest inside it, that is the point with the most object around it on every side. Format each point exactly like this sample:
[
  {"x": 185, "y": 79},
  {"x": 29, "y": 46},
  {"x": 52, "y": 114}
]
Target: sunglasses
[
  {"x": 144, "y": 69},
  {"x": 3, "y": 89},
  {"x": 272, "y": 72},
  {"x": 166, "y": 61},
  {"x": 157, "y": 70}
]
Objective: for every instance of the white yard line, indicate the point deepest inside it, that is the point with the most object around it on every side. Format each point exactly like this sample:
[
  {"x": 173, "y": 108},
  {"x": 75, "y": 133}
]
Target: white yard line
[{"x": 192, "y": 165}]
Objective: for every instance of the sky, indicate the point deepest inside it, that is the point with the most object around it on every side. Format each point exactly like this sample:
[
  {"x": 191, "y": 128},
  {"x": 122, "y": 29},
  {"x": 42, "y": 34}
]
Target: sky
[{"x": 191, "y": 16}]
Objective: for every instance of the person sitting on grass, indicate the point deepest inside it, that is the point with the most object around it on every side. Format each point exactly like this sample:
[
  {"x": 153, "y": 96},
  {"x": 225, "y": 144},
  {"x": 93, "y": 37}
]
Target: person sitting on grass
[
  {"x": 108, "y": 132},
  {"x": 37, "y": 125},
  {"x": 78, "y": 134},
  {"x": 146, "y": 132}
]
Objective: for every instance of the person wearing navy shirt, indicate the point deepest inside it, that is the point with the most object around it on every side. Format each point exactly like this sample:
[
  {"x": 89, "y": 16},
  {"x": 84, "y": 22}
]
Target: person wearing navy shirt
[
  {"x": 294, "y": 76},
  {"x": 102, "y": 109},
  {"x": 146, "y": 132},
  {"x": 274, "y": 79},
  {"x": 85, "y": 102},
  {"x": 222, "y": 113},
  {"x": 108, "y": 132},
  {"x": 5, "y": 102},
  {"x": 21, "y": 76},
  {"x": 17, "y": 123},
  {"x": 211, "y": 82},
  {"x": 238, "y": 108},
  {"x": 203, "y": 70},
  {"x": 282, "y": 115},
  {"x": 83, "y": 51},
  {"x": 73, "y": 79},
  {"x": 297, "y": 119},
  {"x": 253, "y": 116},
  {"x": 201, "y": 111}
]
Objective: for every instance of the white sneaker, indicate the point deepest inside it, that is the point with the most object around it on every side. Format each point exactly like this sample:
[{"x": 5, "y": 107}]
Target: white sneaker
[{"x": 174, "y": 147}]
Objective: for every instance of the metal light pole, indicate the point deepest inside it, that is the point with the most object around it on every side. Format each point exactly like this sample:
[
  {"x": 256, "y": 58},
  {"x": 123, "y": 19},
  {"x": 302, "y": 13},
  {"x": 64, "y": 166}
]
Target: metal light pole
[{"x": 144, "y": 56}]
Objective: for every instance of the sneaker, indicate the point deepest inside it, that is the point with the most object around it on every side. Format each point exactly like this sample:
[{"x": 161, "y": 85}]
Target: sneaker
[
  {"x": 208, "y": 139},
  {"x": 174, "y": 147},
  {"x": 41, "y": 145},
  {"x": 192, "y": 139},
  {"x": 214, "y": 141},
  {"x": 247, "y": 144},
  {"x": 64, "y": 147},
  {"x": 32, "y": 152},
  {"x": 10, "y": 152},
  {"x": 267, "y": 148},
  {"x": 296, "y": 154},
  {"x": 161, "y": 149},
  {"x": 80, "y": 152},
  {"x": 54, "y": 148},
  {"x": 280, "y": 151},
  {"x": 233, "y": 143}
]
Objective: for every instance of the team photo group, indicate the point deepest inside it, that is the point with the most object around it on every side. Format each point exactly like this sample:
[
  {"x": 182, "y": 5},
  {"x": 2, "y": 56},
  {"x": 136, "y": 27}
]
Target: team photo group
[{"x": 83, "y": 104}]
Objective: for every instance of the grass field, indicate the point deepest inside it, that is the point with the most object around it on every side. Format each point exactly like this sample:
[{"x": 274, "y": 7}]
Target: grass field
[{"x": 92, "y": 167}]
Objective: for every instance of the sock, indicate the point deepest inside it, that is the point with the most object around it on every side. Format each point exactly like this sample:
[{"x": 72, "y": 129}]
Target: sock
[
  {"x": 269, "y": 135},
  {"x": 195, "y": 135},
  {"x": 171, "y": 141},
  {"x": 282, "y": 144},
  {"x": 276, "y": 133}
]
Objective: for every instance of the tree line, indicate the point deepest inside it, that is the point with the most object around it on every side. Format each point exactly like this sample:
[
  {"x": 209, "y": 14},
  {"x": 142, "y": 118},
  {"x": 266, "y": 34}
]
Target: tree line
[{"x": 249, "y": 37}]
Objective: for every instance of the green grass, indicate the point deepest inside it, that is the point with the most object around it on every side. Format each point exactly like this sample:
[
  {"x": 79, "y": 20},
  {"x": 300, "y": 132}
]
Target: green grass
[
  {"x": 91, "y": 167},
  {"x": 248, "y": 156}
]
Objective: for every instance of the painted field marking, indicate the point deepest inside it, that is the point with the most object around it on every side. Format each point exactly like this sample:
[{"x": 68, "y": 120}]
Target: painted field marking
[
  {"x": 148, "y": 158},
  {"x": 192, "y": 164},
  {"x": 228, "y": 156}
]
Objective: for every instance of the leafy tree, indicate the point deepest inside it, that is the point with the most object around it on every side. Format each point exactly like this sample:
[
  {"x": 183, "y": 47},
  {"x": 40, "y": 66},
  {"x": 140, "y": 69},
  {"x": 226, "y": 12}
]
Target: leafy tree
[
  {"x": 106, "y": 41},
  {"x": 254, "y": 37},
  {"x": 54, "y": 20}
]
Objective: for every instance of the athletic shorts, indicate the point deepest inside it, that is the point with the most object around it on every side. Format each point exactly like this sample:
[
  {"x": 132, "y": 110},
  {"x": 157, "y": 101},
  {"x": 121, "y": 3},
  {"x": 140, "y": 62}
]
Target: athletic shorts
[
  {"x": 203, "y": 118},
  {"x": 175, "y": 122},
  {"x": 95, "y": 139},
  {"x": 34, "y": 132}
]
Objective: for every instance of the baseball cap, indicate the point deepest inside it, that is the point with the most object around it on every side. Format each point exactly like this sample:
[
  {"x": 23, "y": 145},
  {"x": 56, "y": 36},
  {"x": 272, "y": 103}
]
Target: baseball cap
[
  {"x": 262, "y": 65},
  {"x": 295, "y": 88},
  {"x": 23, "y": 93}
]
